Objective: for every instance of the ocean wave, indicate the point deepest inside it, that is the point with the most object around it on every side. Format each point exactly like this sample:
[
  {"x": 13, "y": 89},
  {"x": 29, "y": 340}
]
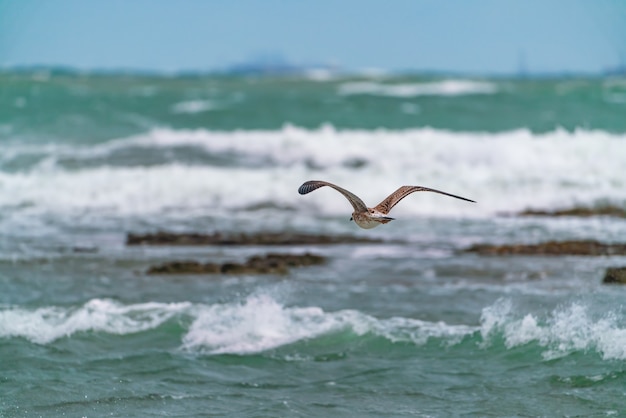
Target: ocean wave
[
  {"x": 567, "y": 329},
  {"x": 48, "y": 324},
  {"x": 199, "y": 169},
  {"x": 403, "y": 90},
  {"x": 193, "y": 106},
  {"x": 260, "y": 323},
  {"x": 257, "y": 324}
]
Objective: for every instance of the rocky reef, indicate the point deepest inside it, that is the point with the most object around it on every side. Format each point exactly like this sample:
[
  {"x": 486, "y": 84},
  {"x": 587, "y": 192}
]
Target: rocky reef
[
  {"x": 579, "y": 211},
  {"x": 261, "y": 238},
  {"x": 273, "y": 263},
  {"x": 615, "y": 275},
  {"x": 552, "y": 248}
]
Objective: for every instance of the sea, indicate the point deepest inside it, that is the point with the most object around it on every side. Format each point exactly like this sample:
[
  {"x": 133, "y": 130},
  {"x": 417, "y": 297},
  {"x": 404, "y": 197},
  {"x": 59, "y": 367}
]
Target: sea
[{"x": 409, "y": 325}]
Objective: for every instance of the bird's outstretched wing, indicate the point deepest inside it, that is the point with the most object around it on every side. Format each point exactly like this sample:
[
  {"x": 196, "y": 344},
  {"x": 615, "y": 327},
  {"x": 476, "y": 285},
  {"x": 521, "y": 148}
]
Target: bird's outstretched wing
[
  {"x": 393, "y": 199},
  {"x": 354, "y": 200}
]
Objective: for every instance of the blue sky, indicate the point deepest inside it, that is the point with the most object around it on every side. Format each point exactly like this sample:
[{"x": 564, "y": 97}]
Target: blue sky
[{"x": 476, "y": 36}]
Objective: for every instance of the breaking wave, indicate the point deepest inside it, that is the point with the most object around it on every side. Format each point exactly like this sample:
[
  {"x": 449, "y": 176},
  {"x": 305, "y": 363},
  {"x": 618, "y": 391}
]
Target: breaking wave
[
  {"x": 260, "y": 323},
  {"x": 567, "y": 329},
  {"x": 191, "y": 169},
  {"x": 47, "y": 324}
]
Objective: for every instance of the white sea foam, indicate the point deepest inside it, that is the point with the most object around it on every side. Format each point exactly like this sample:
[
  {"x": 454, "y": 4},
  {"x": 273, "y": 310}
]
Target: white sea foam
[
  {"x": 434, "y": 88},
  {"x": 261, "y": 323},
  {"x": 320, "y": 74},
  {"x": 193, "y": 106},
  {"x": 257, "y": 324},
  {"x": 565, "y": 330},
  {"x": 47, "y": 324},
  {"x": 504, "y": 172}
]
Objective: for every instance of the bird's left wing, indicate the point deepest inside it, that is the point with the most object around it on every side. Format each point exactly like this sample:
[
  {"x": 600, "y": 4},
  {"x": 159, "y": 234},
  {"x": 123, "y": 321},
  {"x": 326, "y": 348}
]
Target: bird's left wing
[{"x": 354, "y": 200}]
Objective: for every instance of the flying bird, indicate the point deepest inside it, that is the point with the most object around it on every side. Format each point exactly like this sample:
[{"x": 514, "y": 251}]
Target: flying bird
[{"x": 368, "y": 218}]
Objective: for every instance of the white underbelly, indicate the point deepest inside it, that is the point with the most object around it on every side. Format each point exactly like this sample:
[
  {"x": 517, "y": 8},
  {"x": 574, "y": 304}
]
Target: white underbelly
[{"x": 367, "y": 224}]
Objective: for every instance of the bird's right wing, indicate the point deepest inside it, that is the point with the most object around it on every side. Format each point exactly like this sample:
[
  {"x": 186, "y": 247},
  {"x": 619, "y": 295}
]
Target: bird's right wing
[{"x": 354, "y": 200}]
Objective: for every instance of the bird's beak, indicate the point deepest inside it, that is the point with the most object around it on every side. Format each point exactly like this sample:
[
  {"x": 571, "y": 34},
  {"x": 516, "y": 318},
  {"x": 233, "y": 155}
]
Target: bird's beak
[{"x": 351, "y": 218}]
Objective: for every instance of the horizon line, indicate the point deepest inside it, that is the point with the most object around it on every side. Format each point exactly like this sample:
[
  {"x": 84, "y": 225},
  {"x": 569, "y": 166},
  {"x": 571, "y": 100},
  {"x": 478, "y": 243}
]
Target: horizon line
[{"x": 288, "y": 70}]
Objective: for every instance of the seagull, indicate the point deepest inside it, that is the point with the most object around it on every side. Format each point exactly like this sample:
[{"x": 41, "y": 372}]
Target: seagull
[{"x": 368, "y": 218}]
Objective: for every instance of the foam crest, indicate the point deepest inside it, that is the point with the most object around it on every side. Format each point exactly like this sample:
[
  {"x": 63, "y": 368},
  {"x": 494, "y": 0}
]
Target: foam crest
[
  {"x": 449, "y": 87},
  {"x": 399, "y": 329},
  {"x": 193, "y": 106},
  {"x": 118, "y": 191},
  {"x": 260, "y": 323},
  {"x": 565, "y": 330},
  {"x": 257, "y": 324},
  {"x": 504, "y": 172},
  {"x": 47, "y": 324}
]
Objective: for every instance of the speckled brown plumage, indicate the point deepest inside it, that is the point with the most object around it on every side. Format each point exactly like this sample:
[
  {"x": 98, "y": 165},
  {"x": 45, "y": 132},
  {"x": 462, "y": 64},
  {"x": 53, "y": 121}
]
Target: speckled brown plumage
[{"x": 371, "y": 217}]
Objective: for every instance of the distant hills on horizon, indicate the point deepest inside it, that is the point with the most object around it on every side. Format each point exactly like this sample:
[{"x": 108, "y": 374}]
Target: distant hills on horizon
[{"x": 281, "y": 68}]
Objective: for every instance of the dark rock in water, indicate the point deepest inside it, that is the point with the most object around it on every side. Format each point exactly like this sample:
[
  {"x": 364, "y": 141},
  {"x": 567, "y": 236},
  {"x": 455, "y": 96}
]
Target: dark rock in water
[
  {"x": 185, "y": 267},
  {"x": 615, "y": 275},
  {"x": 262, "y": 238},
  {"x": 579, "y": 211},
  {"x": 588, "y": 247},
  {"x": 290, "y": 260},
  {"x": 355, "y": 163},
  {"x": 267, "y": 264},
  {"x": 84, "y": 249},
  {"x": 258, "y": 267}
]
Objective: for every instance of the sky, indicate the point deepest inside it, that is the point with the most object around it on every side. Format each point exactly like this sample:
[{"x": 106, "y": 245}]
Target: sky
[{"x": 466, "y": 36}]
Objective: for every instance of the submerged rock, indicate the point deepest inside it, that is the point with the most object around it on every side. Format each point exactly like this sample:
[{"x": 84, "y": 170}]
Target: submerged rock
[
  {"x": 290, "y": 260},
  {"x": 261, "y": 238},
  {"x": 184, "y": 267},
  {"x": 580, "y": 211},
  {"x": 266, "y": 264},
  {"x": 582, "y": 247},
  {"x": 615, "y": 275}
]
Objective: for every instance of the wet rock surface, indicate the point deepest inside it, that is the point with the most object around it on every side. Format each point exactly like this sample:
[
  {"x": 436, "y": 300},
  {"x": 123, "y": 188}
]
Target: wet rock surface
[
  {"x": 606, "y": 210},
  {"x": 263, "y": 238},
  {"x": 615, "y": 275},
  {"x": 272, "y": 263},
  {"x": 581, "y": 247}
]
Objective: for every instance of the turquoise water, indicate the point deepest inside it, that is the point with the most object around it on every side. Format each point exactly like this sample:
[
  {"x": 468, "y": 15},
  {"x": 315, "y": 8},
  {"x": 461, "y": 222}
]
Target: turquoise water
[{"x": 412, "y": 326}]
